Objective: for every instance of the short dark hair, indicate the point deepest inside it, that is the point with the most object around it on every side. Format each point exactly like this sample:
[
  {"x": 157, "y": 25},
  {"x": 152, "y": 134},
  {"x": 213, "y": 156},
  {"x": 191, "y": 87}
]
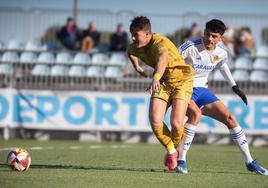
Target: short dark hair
[
  {"x": 69, "y": 19},
  {"x": 140, "y": 23},
  {"x": 216, "y": 26}
]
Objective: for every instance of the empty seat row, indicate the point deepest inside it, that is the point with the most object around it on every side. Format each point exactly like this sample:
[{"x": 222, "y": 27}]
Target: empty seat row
[
  {"x": 73, "y": 71},
  {"x": 77, "y": 71},
  {"x": 64, "y": 58},
  {"x": 100, "y": 58},
  {"x": 31, "y": 45},
  {"x": 243, "y": 75},
  {"x": 247, "y": 64}
]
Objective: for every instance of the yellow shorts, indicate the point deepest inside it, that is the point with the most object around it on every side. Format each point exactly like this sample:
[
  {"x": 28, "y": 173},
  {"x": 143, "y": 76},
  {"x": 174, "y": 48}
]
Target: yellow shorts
[{"x": 176, "y": 88}]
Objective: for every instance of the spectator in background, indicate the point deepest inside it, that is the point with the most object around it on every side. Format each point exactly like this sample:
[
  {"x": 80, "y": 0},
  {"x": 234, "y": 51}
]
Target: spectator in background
[
  {"x": 90, "y": 38},
  {"x": 246, "y": 44},
  {"x": 119, "y": 39},
  {"x": 229, "y": 40},
  {"x": 68, "y": 35},
  {"x": 195, "y": 31}
]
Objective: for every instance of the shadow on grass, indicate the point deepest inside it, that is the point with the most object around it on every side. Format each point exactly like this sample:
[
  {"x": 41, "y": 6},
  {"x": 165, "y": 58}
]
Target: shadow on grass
[{"x": 80, "y": 167}]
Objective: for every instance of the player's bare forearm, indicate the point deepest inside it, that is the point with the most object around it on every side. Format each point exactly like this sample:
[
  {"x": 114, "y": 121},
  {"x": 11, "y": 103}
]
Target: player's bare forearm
[
  {"x": 135, "y": 63},
  {"x": 159, "y": 71},
  {"x": 161, "y": 64}
]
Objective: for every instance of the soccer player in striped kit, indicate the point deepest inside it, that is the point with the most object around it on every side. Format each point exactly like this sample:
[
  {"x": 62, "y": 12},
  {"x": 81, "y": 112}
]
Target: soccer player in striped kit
[{"x": 205, "y": 54}]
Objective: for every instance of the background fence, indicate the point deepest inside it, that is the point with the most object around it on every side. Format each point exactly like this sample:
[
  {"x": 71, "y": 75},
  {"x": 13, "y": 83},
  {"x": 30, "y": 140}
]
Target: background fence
[
  {"x": 41, "y": 23},
  {"x": 24, "y": 81}
]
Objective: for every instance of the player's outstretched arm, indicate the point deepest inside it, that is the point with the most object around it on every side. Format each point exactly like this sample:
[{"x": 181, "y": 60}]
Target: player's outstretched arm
[
  {"x": 225, "y": 71},
  {"x": 135, "y": 62}
]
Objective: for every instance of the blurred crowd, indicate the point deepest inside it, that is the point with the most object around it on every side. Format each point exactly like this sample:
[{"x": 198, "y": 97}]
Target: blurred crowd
[
  {"x": 239, "y": 42},
  {"x": 88, "y": 40}
]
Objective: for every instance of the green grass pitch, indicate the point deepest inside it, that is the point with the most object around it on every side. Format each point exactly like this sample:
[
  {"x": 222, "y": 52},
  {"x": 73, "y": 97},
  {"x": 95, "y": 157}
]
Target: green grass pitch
[{"x": 87, "y": 164}]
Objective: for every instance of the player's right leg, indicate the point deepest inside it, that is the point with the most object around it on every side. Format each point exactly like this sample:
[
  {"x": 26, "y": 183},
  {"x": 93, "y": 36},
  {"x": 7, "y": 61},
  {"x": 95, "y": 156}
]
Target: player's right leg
[{"x": 156, "y": 115}]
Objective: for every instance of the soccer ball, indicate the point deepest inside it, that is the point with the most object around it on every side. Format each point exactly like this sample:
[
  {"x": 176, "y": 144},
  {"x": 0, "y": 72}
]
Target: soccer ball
[{"x": 19, "y": 159}]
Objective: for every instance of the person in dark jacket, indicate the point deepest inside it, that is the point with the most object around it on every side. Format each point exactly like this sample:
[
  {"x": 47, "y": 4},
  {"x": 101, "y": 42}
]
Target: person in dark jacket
[
  {"x": 68, "y": 35},
  {"x": 91, "y": 38},
  {"x": 119, "y": 40}
]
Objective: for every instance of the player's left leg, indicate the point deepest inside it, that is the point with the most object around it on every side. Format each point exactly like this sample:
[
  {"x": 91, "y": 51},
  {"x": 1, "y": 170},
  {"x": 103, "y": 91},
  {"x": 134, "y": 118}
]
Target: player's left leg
[{"x": 217, "y": 110}]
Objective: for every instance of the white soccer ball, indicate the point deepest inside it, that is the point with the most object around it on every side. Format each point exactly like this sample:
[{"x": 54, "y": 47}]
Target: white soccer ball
[{"x": 19, "y": 159}]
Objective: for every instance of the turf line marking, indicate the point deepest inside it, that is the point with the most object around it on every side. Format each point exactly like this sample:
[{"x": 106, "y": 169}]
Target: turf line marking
[
  {"x": 95, "y": 147},
  {"x": 76, "y": 147},
  {"x": 70, "y": 147},
  {"x": 36, "y": 148}
]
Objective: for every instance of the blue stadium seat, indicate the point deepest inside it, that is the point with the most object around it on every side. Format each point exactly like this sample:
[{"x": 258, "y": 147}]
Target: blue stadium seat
[
  {"x": 94, "y": 71},
  {"x": 77, "y": 70},
  {"x": 6, "y": 69},
  {"x": 262, "y": 51},
  {"x": 217, "y": 76},
  {"x": 42, "y": 70},
  {"x": 82, "y": 58},
  {"x": 99, "y": 58},
  {"x": 64, "y": 58},
  {"x": 59, "y": 70},
  {"x": 28, "y": 57},
  {"x": 243, "y": 63},
  {"x": 14, "y": 45},
  {"x": 118, "y": 59},
  {"x": 46, "y": 57},
  {"x": 241, "y": 75},
  {"x": 260, "y": 64},
  {"x": 33, "y": 45},
  {"x": 259, "y": 76},
  {"x": 113, "y": 72},
  {"x": 10, "y": 57}
]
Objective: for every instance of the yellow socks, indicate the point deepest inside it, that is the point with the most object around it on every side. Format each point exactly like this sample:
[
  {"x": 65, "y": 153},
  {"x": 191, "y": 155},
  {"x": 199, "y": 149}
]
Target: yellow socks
[
  {"x": 164, "y": 136},
  {"x": 169, "y": 140},
  {"x": 176, "y": 136}
]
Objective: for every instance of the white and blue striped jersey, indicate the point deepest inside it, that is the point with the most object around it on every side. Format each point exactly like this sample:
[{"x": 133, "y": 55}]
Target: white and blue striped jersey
[{"x": 204, "y": 61}]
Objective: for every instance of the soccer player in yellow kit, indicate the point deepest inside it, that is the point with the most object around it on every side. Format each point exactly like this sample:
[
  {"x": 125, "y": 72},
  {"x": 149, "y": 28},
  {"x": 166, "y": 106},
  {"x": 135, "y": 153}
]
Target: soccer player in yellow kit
[{"x": 172, "y": 83}]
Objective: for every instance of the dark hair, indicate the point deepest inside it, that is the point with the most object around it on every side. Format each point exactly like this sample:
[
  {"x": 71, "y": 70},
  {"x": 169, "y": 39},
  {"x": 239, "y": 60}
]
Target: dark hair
[
  {"x": 140, "y": 23},
  {"x": 216, "y": 26},
  {"x": 69, "y": 19}
]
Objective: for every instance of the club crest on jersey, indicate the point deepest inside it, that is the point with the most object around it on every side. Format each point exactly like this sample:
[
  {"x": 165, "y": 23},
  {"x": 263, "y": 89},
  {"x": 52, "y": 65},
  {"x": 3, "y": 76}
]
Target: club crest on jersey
[{"x": 215, "y": 58}]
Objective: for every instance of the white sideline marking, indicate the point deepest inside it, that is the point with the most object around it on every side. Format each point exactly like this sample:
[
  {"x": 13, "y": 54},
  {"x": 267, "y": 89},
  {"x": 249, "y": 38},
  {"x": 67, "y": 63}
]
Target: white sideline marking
[
  {"x": 75, "y": 147},
  {"x": 118, "y": 146},
  {"x": 70, "y": 147},
  {"x": 95, "y": 147},
  {"x": 4, "y": 149},
  {"x": 36, "y": 148}
]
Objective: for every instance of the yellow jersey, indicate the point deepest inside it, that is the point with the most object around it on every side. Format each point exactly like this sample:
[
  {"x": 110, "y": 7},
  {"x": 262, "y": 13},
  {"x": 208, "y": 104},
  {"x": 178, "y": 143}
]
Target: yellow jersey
[{"x": 149, "y": 54}]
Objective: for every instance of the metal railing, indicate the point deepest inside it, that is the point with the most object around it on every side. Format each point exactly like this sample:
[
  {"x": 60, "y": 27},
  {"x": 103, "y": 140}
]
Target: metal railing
[
  {"x": 22, "y": 77},
  {"x": 43, "y": 23}
]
